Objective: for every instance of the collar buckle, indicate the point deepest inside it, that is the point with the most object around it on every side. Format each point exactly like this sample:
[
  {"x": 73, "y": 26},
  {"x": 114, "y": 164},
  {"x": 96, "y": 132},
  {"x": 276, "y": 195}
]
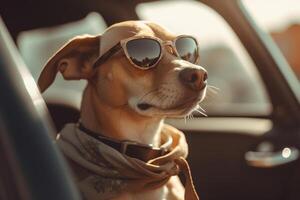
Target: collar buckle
[{"x": 126, "y": 143}]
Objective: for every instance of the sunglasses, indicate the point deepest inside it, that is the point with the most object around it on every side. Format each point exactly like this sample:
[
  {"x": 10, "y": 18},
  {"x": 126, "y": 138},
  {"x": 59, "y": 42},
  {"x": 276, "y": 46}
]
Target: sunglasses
[{"x": 146, "y": 51}]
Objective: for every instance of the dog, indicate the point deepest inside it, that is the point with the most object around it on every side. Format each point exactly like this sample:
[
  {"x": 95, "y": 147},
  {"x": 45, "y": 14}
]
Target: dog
[{"x": 138, "y": 73}]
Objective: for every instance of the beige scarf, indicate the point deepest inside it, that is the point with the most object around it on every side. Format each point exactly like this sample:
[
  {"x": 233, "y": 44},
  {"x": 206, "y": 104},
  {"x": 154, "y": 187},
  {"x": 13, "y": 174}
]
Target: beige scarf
[{"x": 106, "y": 173}]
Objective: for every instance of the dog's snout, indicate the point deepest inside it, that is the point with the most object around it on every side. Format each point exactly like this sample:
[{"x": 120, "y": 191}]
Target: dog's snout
[{"x": 193, "y": 78}]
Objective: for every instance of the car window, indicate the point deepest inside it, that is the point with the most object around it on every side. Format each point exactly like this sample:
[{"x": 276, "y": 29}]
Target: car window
[
  {"x": 37, "y": 46},
  {"x": 282, "y": 22},
  {"x": 230, "y": 68}
]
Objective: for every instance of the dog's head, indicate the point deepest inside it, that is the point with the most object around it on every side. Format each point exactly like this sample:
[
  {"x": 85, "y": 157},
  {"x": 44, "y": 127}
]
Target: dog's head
[{"x": 173, "y": 87}]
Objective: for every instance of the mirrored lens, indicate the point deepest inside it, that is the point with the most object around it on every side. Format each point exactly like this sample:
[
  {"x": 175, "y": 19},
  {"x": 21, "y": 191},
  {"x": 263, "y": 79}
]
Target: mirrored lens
[
  {"x": 187, "y": 49},
  {"x": 144, "y": 52}
]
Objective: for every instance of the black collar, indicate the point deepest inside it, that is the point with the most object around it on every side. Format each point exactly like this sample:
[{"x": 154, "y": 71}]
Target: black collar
[{"x": 130, "y": 148}]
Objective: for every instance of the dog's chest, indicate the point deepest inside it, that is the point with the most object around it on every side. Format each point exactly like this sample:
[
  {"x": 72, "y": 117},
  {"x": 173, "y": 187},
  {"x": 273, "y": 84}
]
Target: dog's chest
[{"x": 173, "y": 190}]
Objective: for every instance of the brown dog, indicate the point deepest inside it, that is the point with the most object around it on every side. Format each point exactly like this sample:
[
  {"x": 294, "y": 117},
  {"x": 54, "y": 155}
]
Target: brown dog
[{"x": 124, "y": 102}]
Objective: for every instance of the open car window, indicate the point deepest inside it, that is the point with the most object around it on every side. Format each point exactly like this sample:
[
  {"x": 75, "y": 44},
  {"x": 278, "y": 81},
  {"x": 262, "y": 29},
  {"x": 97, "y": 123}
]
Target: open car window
[
  {"x": 37, "y": 46},
  {"x": 281, "y": 20},
  {"x": 230, "y": 68}
]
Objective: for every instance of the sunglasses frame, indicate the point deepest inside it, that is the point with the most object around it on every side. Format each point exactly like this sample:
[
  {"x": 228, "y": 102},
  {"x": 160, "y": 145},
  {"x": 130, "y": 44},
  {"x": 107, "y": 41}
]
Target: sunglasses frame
[{"x": 122, "y": 45}]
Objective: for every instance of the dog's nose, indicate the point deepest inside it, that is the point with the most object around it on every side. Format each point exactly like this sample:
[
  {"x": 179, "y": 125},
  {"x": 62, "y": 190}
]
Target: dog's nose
[{"x": 195, "y": 79}]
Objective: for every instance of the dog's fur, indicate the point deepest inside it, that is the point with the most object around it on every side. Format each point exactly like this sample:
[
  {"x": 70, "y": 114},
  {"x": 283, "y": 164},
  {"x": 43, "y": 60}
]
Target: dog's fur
[{"x": 114, "y": 90}]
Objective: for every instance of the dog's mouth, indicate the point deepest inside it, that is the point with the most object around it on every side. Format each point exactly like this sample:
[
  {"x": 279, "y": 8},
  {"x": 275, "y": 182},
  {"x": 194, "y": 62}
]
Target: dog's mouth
[
  {"x": 146, "y": 106},
  {"x": 177, "y": 110},
  {"x": 167, "y": 102}
]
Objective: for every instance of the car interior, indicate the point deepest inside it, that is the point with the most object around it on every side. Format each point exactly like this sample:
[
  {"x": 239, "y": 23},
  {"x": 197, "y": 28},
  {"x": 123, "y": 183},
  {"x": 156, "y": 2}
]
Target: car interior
[{"x": 253, "y": 117}]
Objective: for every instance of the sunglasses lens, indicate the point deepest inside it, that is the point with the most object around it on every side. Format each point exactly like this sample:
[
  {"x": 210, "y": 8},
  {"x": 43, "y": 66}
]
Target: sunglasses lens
[
  {"x": 187, "y": 49},
  {"x": 144, "y": 52}
]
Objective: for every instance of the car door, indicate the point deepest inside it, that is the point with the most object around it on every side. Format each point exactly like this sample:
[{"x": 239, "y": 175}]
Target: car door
[
  {"x": 247, "y": 147},
  {"x": 31, "y": 165}
]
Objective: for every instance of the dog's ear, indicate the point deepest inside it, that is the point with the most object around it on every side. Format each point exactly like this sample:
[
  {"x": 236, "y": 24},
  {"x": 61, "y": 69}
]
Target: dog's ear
[{"x": 74, "y": 60}]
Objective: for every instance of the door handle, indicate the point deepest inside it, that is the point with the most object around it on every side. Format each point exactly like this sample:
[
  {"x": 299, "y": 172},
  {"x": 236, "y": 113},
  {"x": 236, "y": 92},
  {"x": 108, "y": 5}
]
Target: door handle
[{"x": 269, "y": 159}]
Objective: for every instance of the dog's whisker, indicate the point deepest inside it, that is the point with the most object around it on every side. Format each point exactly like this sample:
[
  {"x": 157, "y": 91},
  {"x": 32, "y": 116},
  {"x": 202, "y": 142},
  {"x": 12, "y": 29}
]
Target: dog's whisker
[
  {"x": 214, "y": 87},
  {"x": 199, "y": 107},
  {"x": 192, "y": 116},
  {"x": 213, "y": 91},
  {"x": 210, "y": 87},
  {"x": 202, "y": 113}
]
